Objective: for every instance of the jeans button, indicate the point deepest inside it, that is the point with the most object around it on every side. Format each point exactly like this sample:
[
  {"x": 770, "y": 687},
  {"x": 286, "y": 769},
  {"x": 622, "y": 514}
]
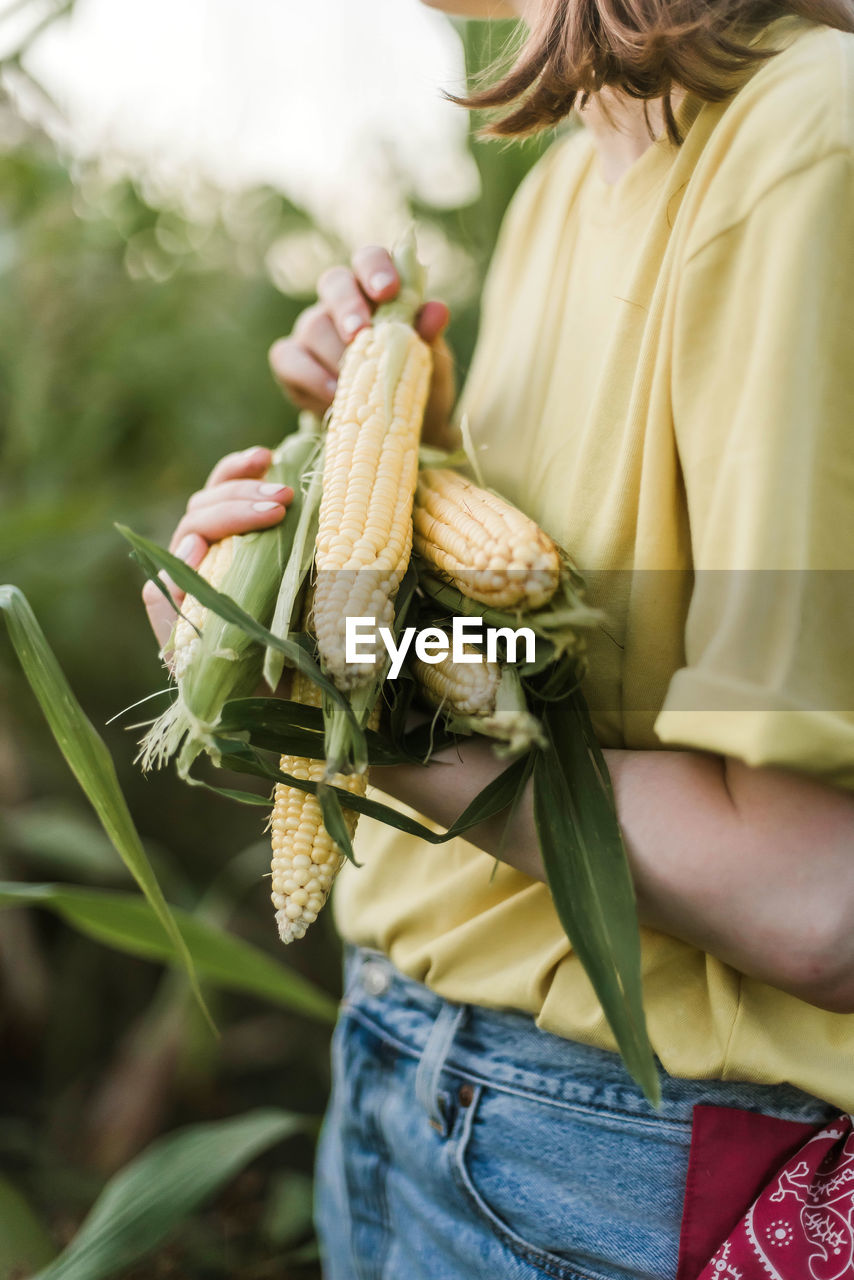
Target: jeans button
[{"x": 376, "y": 979}]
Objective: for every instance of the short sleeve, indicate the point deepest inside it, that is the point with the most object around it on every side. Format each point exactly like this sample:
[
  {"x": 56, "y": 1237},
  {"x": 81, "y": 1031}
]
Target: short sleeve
[{"x": 763, "y": 406}]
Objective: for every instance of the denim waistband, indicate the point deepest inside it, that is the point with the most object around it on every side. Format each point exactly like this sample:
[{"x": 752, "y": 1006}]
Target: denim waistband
[{"x": 505, "y": 1049}]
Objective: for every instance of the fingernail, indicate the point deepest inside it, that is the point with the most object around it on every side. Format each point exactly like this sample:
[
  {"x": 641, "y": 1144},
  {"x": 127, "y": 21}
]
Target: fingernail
[
  {"x": 270, "y": 488},
  {"x": 185, "y": 546},
  {"x": 381, "y": 280},
  {"x": 332, "y": 386},
  {"x": 265, "y": 506},
  {"x": 255, "y": 448},
  {"x": 351, "y": 323}
]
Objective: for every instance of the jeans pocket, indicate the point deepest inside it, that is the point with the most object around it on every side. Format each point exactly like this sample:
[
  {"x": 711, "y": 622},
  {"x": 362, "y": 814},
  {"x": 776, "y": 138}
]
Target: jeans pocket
[{"x": 581, "y": 1193}]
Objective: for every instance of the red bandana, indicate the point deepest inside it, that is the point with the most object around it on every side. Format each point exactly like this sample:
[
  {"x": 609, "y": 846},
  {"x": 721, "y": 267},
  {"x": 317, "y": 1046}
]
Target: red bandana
[{"x": 800, "y": 1226}]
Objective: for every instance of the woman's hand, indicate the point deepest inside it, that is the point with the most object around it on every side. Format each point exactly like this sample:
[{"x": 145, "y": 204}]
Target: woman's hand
[
  {"x": 306, "y": 363},
  {"x": 235, "y": 499}
]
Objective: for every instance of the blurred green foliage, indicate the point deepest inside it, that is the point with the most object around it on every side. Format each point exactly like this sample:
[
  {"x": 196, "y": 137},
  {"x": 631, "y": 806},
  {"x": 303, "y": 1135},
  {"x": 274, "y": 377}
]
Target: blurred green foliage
[{"x": 133, "y": 344}]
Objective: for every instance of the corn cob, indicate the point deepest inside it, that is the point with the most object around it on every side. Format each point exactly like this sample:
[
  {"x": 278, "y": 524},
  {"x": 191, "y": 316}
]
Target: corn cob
[
  {"x": 490, "y": 550},
  {"x": 466, "y": 689},
  {"x": 186, "y": 634},
  {"x": 223, "y": 662},
  {"x": 479, "y": 697},
  {"x": 364, "y": 536},
  {"x": 305, "y": 857}
]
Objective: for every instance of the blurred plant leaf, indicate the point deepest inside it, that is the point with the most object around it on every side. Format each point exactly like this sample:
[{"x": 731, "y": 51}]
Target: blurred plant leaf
[
  {"x": 287, "y": 1216},
  {"x": 89, "y": 761},
  {"x": 24, "y": 525},
  {"x": 24, "y": 1241},
  {"x": 55, "y": 834},
  {"x": 126, "y": 923},
  {"x": 140, "y": 1205}
]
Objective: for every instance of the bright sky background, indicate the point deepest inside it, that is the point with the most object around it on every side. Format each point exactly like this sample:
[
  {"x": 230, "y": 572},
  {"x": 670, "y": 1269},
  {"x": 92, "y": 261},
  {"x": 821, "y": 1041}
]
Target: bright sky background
[{"x": 324, "y": 99}]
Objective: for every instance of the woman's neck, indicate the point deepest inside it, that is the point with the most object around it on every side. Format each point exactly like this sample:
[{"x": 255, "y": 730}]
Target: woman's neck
[{"x": 621, "y": 137}]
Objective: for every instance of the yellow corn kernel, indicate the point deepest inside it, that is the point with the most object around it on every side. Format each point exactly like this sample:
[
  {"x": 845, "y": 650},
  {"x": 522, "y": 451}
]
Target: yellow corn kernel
[
  {"x": 364, "y": 537},
  {"x": 306, "y": 859},
  {"x": 185, "y": 636},
  {"x": 487, "y": 548},
  {"x": 466, "y": 689},
  {"x": 479, "y": 697}
]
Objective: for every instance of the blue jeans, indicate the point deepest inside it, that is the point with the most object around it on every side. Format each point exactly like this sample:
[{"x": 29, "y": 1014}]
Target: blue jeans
[{"x": 463, "y": 1142}]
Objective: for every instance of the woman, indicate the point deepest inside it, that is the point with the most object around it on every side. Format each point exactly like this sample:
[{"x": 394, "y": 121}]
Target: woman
[{"x": 663, "y": 380}]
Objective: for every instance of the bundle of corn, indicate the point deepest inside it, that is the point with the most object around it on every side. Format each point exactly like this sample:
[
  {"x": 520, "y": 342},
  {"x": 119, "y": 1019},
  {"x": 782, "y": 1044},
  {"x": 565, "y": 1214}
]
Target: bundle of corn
[
  {"x": 214, "y": 660},
  {"x": 475, "y": 556},
  {"x": 364, "y": 537},
  {"x": 479, "y": 696}
]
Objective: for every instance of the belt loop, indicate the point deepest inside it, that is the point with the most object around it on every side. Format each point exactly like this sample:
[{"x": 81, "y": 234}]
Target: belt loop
[{"x": 433, "y": 1061}]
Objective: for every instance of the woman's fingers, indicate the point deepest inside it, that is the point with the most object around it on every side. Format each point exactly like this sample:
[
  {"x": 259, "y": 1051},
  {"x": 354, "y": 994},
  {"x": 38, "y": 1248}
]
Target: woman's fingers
[
  {"x": 305, "y": 379},
  {"x": 306, "y": 363},
  {"x": 238, "y": 466},
  {"x": 224, "y": 518},
  {"x": 376, "y": 273},
  {"x": 345, "y": 302},
  {"x": 316, "y": 333},
  {"x": 233, "y": 502},
  {"x": 161, "y": 614},
  {"x": 432, "y": 320},
  {"x": 237, "y": 490},
  {"x": 437, "y": 429}
]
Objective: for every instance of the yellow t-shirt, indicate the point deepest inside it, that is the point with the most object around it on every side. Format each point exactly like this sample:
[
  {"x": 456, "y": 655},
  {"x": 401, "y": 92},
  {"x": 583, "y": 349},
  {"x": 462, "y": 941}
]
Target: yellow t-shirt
[{"x": 664, "y": 380}]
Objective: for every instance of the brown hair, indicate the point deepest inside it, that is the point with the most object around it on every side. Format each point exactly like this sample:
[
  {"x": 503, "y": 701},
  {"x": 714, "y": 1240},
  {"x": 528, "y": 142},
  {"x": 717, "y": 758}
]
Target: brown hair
[{"x": 642, "y": 48}]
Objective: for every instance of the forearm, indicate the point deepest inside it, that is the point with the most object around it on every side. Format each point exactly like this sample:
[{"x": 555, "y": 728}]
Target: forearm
[{"x": 755, "y": 866}]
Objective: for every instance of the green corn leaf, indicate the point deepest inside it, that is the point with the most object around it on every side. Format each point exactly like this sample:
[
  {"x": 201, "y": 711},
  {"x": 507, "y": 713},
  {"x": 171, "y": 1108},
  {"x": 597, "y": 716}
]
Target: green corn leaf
[
  {"x": 590, "y": 881},
  {"x": 303, "y": 515},
  {"x": 519, "y": 794},
  {"x": 333, "y": 820},
  {"x": 126, "y": 923},
  {"x": 141, "y": 1205},
  {"x": 153, "y": 559},
  {"x": 495, "y": 796},
  {"x": 291, "y": 728},
  {"x": 231, "y": 793},
  {"x": 89, "y": 761},
  {"x": 272, "y": 716}
]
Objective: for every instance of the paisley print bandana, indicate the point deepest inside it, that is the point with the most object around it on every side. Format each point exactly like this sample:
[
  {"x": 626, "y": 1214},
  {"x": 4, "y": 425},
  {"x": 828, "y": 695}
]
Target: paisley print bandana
[{"x": 801, "y": 1225}]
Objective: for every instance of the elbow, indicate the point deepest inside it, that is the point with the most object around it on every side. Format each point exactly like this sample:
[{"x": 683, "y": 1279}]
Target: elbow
[
  {"x": 833, "y": 997},
  {"x": 833, "y": 991},
  {"x": 820, "y": 969}
]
